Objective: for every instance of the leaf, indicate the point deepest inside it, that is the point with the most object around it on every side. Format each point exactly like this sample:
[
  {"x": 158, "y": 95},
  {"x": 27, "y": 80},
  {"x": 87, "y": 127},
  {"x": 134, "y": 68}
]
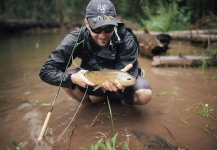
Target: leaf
[
  {"x": 102, "y": 146},
  {"x": 114, "y": 140},
  {"x": 41, "y": 104},
  {"x": 164, "y": 93},
  {"x": 17, "y": 147},
  {"x": 108, "y": 144},
  {"x": 14, "y": 143}
]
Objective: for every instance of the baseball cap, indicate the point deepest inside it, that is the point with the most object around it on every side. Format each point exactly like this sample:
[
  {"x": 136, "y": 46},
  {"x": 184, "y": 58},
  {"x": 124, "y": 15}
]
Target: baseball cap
[{"x": 100, "y": 13}]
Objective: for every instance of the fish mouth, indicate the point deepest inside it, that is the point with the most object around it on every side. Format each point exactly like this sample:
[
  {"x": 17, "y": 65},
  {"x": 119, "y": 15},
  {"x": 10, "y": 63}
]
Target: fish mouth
[{"x": 131, "y": 83}]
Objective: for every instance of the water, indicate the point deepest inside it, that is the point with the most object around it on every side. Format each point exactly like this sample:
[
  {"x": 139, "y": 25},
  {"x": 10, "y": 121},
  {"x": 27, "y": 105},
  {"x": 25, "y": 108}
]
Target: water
[{"x": 174, "y": 90}]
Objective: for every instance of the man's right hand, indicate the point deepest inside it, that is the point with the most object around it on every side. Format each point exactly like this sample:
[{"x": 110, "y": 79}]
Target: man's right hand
[{"x": 79, "y": 79}]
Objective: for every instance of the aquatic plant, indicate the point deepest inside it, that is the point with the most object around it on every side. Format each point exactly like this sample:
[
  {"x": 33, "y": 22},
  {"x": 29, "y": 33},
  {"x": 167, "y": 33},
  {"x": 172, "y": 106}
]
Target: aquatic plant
[
  {"x": 104, "y": 143},
  {"x": 204, "y": 64},
  {"x": 37, "y": 103},
  {"x": 203, "y": 109},
  {"x": 111, "y": 117},
  {"x": 206, "y": 128},
  {"x": 164, "y": 93},
  {"x": 206, "y": 111},
  {"x": 214, "y": 77},
  {"x": 16, "y": 146}
]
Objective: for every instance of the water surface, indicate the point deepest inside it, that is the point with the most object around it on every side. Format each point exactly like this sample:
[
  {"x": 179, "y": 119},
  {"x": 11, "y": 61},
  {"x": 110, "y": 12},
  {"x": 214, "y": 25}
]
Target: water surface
[{"x": 174, "y": 90}]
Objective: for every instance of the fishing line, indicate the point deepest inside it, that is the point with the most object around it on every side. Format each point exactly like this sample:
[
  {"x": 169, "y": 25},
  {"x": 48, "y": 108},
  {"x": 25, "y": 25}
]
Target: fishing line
[
  {"x": 71, "y": 57},
  {"x": 63, "y": 75},
  {"x": 75, "y": 112}
]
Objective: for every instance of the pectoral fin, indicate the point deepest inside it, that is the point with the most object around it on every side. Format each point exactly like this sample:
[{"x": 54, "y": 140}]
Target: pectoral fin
[{"x": 97, "y": 87}]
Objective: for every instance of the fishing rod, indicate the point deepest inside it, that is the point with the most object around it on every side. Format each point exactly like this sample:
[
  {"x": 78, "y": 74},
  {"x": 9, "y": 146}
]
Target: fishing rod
[{"x": 55, "y": 98}]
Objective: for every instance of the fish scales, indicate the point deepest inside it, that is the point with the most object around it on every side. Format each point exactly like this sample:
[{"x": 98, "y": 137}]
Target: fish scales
[{"x": 114, "y": 76}]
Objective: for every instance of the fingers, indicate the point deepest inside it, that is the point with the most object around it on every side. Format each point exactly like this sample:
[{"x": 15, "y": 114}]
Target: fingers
[
  {"x": 109, "y": 86},
  {"x": 84, "y": 85},
  {"x": 115, "y": 87},
  {"x": 120, "y": 87},
  {"x": 112, "y": 87},
  {"x": 79, "y": 79},
  {"x": 127, "y": 67}
]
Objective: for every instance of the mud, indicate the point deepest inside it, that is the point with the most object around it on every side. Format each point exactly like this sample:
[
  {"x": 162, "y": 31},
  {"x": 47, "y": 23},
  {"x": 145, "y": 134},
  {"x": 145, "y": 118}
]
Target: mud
[{"x": 161, "y": 124}]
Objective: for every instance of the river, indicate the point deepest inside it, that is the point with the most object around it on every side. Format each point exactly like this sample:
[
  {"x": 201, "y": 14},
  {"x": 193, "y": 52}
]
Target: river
[{"x": 179, "y": 95}]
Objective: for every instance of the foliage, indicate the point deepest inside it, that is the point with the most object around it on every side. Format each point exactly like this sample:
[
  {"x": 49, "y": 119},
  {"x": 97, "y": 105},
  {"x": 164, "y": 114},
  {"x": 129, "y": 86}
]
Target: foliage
[
  {"x": 168, "y": 16},
  {"x": 214, "y": 77},
  {"x": 105, "y": 143},
  {"x": 201, "y": 8},
  {"x": 111, "y": 117},
  {"x": 159, "y": 15},
  {"x": 203, "y": 109},
  {"x": 37, "y": 103},
  {"x": 16, "y": 146},
  {"x": 55, "y": 10}
]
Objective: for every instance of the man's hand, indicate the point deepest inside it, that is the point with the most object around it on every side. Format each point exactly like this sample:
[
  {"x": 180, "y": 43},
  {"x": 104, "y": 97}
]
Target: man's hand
[
  {"x": 115, "y": 87},
  {"x": 127, "y": 68},
  {"x": 79, "y": 79}
]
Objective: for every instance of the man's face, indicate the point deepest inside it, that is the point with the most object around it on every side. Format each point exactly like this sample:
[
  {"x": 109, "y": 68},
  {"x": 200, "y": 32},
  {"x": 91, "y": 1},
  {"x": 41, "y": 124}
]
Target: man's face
[{"x": 102, "y": 38}]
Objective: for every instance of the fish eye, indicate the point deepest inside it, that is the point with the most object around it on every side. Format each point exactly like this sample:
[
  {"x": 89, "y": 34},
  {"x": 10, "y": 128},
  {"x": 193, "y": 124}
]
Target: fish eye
[{"x": 129, "y": 79}]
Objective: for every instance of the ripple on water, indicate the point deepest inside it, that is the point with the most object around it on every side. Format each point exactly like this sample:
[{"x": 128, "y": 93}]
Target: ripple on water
[
  {"x": 35, "y": 129},
  {"x": 25, "y": 105}
]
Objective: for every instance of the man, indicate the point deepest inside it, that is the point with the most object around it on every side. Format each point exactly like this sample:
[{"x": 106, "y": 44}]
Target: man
[{"x": 102, "y": 43}]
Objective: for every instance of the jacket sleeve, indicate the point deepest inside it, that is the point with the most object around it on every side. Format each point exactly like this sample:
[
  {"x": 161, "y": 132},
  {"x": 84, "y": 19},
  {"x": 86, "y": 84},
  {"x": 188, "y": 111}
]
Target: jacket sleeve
[
  {"x": 53, "y": 69},
  {"x": 128, "y": 53}
]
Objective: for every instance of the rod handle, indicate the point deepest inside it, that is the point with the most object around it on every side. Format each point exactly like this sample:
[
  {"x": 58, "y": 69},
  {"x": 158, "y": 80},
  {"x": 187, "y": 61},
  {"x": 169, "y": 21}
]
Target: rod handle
[{"x": 44, "y": 126}]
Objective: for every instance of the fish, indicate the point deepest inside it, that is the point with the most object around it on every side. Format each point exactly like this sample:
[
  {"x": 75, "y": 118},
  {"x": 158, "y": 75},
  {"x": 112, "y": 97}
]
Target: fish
[{"x": 110, "y": 75}]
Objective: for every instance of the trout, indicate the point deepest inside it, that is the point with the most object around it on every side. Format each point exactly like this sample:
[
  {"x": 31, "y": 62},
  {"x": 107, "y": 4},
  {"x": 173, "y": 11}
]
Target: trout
[{"x": 113, "y": 76}]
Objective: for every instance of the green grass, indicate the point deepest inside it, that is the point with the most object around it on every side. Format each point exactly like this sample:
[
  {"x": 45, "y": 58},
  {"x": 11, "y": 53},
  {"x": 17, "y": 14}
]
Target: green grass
[
  {"x": 106, "y": 143},
  {"x": 202, "y": 109},
  {"x": 214, "y": 77},
  {"x": 16, "y": 146}
]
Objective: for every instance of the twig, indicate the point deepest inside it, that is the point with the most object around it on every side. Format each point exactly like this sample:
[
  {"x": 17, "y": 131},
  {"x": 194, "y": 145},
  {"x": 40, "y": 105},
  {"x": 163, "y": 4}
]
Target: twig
[
  {"x": 96, "y": 117},
  {"x": 71, "y": 135}
]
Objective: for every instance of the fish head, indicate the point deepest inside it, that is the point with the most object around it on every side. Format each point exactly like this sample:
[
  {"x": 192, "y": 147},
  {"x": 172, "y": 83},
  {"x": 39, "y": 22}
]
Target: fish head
[{"x": 126, "y": 79}]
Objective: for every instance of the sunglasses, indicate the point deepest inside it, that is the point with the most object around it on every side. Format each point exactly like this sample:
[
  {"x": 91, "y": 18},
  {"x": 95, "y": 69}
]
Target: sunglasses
[{"x": 107, "y": 29}]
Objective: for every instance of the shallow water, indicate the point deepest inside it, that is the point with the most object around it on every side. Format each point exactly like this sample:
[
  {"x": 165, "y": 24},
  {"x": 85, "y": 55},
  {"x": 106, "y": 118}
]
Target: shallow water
[{"x": 174, "y": 90}]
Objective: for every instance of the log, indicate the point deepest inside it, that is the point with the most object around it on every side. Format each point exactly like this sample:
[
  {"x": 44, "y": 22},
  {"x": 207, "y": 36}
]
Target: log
[
  {"x": 188, "y": 35},
  {"x": 183, "y": 61},
  {"x": 194, "y": 37},
  {"x": 11, "y": 26}
]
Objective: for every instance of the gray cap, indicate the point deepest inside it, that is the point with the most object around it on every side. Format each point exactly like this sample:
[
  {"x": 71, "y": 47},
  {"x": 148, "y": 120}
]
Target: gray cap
[{"x": 100, "y": 13}]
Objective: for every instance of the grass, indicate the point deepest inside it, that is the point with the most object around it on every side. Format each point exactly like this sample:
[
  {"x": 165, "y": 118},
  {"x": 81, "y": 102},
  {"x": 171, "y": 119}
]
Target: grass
[
  {"x": 16, "y": 146},
  {"x": 214, "y": 77},
  {"x": 164, "y": 93},
  {"x": 106, "y": 143},
  {"x": 202, "y": 109},
  {"x": 111, "y": 117},
  {"x": 206, "y": 128},
  {"x": 41, "y": 104}
]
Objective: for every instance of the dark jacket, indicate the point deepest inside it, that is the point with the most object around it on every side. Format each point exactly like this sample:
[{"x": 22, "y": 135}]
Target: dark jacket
[{"x": 122, "y": 50}]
